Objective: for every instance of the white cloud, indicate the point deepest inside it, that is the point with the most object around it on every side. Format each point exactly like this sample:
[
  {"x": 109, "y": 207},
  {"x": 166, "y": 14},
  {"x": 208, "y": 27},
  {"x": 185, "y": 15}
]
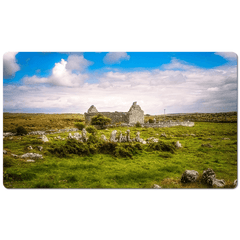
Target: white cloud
[
  {"x": 115, "y": 57},
  {"x": 10, "y": 66},
  {"x": 190, "y": 90},
  {"x": 76, "y": 62},
  {"x": 61, "y": 76},
  {"x": 176, "y": 64},
  {"x": 228, "y": 55}
]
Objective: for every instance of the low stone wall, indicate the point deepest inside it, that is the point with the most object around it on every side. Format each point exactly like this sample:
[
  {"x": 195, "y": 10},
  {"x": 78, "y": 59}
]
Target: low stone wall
[
  {"x": 168, "y": 124},
  {"x": 152, "y": 125}
]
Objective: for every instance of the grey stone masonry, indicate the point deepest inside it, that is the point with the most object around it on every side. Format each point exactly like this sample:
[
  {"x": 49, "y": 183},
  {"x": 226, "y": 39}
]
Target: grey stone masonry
[{"x": 134, "y": 115}]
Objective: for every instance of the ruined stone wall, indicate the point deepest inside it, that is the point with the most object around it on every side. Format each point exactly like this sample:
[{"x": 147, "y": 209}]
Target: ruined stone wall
[
  {"x": 136, "y": 116},
  {"x": 116, "y": 117}
]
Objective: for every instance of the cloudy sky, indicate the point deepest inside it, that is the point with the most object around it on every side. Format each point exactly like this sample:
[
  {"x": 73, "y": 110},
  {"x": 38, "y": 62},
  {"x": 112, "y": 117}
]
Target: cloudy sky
[{"x": 72, "y": 82}]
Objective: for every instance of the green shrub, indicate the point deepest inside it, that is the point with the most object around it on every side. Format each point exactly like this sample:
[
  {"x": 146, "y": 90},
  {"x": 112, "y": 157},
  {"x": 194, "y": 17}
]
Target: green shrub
[
  {"x": 21, "y": 130},
  {"x": 80, "y": 125},
  {"x": 138, "y": 124},
  {"x": 162, "y": 146},
  {"x": 91, "y": 129},
  {"x": 100, "y": 120},
  {"x": 151, "y": 120}
]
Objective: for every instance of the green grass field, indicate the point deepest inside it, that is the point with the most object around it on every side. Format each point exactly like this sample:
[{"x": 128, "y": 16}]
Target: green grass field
[{"x": 104, "y": 170}]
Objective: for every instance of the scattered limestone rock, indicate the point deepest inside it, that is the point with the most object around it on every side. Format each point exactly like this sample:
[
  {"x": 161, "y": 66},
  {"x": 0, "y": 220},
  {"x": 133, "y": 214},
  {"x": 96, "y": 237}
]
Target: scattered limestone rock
[
  {"x": 128, "y": 136},
  {"x": 113, "y": 136},
  {"x": 103, "y": 137},
  {"x": 120, "y": 137},
  {"x": 4, "y": 152},
  {"x": 156, "y": 186},
  {"x": 36, "y": 133},
  {"x": 163, "y": 135},
  {"x": 207, "y": 145},
  {"x": 30, "y": 160},
  {"x": 189, "y": 176},
  {"x": 7, "y": 134},
  {"x": 235, "y": 183},
  {"x": 152, "y": 140},
  {"x": 59, "y": 137},
  {"x": 218, "y": 182},
  {"x": 209, "y": 139},
  {"x": 14, "y": 155},
  {"x": 32, "y": 155},
  {"x": 84, "y": 135},
  {"x": 10, "y": 138},
  {"x": 194, "y": 135},
  {"x": 138, "y": 139},
  {"x": 178, "y": 144},
  {"x": 30, "y": 148},
  {"x": 40, "y": 148},
  {"x": 208, "y": 176},
  {"x": 44, "y": 138}
]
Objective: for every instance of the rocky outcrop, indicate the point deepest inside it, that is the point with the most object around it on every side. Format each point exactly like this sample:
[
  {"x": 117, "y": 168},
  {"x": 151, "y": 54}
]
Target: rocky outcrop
[
  {"x": 32, "y": 155},
  {"x": 189, "y": 176},
  {"x": 4, "y": 152},
  {"x": 37, "y": 133},
  {"x": 8, "y": 134}
]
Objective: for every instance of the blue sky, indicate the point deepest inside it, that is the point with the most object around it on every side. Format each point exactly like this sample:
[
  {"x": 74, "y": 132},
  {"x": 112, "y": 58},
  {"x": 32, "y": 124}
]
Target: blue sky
[{"x": 72, "y": 82}]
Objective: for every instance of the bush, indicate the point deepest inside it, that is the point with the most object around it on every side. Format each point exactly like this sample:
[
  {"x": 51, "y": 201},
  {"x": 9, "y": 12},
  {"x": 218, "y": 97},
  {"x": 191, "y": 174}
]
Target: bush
[
  {"x": 151, "y": 120},
  {"x": 21, "y": 130},
  {"x": 80, "y": 126},
  {"x": 91, "y": 129},
  {"x": 100, "y": 120},
  {"x": 138, "y": 124},
  {"x": 162, "y": 146}
]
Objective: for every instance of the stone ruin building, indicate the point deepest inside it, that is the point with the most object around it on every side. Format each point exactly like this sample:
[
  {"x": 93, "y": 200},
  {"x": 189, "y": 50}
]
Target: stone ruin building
[{"x": 134, "y": 115}]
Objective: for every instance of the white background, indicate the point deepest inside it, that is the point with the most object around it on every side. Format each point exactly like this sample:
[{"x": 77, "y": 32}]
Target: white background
[{"x": 119, "y": 26}]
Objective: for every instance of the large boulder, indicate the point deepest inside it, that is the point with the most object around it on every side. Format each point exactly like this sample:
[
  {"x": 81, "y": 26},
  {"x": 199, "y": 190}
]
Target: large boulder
[
  {"x": 189, "y": 176},
  {"x": 209, "y": 177},
  {"x": 218, "y": 182}
]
